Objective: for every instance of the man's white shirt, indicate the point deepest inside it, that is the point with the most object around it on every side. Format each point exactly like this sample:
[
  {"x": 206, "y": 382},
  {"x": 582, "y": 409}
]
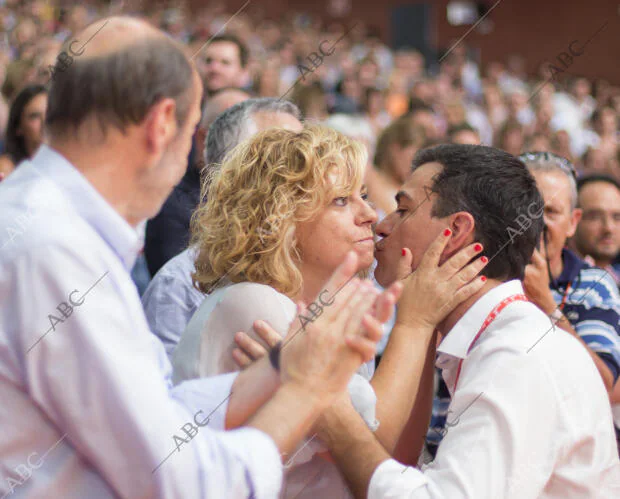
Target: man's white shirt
[
  {"x": 87, "y": 407},
  {"x": 530, "y": 417}
]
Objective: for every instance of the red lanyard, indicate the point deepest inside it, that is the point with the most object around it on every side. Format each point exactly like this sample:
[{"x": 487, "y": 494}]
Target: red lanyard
[
  {"x": 487, "y": 322},
  {"x": 565, "y": 297}
]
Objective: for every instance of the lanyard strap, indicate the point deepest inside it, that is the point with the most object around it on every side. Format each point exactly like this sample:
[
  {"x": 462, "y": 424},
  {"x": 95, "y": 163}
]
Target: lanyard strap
[{"x": 487, "y": 322}]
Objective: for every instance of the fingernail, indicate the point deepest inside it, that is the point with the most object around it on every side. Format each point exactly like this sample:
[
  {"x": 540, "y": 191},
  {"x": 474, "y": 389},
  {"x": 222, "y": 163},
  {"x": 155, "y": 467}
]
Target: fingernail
[
  {"x": 447, "y": 232},
  {"x": 403, "y": 252},
  {"x": 484, "y": 259},
  {"x": 478, "y": 247},
  {"x": 483, "y": 278}
]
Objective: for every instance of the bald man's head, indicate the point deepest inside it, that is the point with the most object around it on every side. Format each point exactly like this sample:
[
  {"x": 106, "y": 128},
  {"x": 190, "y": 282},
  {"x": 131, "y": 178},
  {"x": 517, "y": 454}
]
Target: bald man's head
[
  {"x": 113, "y": 72},
  {"x": 219, "y": 103}
]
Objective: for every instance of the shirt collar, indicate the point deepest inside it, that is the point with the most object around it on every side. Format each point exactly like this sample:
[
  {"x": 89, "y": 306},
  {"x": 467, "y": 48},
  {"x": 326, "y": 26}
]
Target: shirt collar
[
  {"x": 571, "y": 266},
  {"x": 89, "y": 204},
  {"x": 459, "y": 338}
]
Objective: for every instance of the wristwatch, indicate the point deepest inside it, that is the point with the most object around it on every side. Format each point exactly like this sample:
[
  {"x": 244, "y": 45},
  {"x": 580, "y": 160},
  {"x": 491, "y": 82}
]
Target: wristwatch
[
  {"x": 556, "y": 316},
  {"x": 274, "y": 355}
]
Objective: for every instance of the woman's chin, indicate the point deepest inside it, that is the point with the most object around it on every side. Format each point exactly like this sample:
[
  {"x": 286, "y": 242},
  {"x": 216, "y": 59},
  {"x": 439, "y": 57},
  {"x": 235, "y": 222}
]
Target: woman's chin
[{"x": 365, "y": 263}]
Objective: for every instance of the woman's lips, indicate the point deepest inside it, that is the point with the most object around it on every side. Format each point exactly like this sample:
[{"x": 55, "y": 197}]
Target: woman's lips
[{"x": 368, "y": 240}]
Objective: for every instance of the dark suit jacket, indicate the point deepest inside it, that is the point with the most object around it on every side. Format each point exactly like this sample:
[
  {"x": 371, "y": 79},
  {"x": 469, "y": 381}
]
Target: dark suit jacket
[{"x": 168, "y": 233}]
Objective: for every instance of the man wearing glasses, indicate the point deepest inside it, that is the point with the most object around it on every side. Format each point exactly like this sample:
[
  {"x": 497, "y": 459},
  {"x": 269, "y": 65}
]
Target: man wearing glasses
[
  {"x": 581, "y": 299},
  {"x": 598, "y": 234},
  {"x": 598, "y": 238}
]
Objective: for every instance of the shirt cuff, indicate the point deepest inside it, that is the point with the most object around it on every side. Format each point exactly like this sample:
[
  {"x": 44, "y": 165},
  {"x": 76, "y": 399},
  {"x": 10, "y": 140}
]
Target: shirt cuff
[
  {"x": 261, "y": 458},
  {"x": 209, "y": 395},
  {"x": 393, "y": 480}
]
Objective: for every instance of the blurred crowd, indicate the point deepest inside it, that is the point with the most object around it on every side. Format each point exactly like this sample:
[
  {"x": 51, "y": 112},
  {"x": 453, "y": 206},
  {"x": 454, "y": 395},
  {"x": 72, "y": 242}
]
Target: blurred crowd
[
  {"x": 339, "y": 72},
  {"x": 395, "y": 101}
]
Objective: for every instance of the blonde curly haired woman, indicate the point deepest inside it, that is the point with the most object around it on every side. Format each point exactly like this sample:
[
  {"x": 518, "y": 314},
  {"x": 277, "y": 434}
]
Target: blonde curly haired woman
[{"x": 281, "y": 213}]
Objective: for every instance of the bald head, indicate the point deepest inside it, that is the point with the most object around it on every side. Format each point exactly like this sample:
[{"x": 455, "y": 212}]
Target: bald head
[
  {"x": 106, "y": 37},
  {"x": 127, "y": 68},
  {"x": 219, "y": 103}
]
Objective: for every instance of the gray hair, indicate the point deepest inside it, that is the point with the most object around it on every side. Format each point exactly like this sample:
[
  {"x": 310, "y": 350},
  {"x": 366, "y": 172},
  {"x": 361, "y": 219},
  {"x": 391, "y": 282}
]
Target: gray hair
[
  {"x": 236, "y": 124},
  {"x": 550, "y": 162}
]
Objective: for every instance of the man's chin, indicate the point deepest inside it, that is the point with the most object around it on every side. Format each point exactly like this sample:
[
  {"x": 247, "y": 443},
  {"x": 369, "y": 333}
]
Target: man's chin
[{"x": 383, "y": 277}]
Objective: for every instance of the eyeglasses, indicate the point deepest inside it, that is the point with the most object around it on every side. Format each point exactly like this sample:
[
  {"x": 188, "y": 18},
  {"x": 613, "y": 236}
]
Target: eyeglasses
[{"x": 549, "y": 157}]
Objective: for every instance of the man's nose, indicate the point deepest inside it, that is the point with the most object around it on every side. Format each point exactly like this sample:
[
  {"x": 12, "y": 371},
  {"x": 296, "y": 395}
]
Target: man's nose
[{"x": 382, "y": 230}]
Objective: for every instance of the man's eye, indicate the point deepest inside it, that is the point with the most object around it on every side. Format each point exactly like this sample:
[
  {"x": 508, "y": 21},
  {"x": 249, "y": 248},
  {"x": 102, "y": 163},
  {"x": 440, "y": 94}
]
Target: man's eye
[{"x": 401, "y": 211}]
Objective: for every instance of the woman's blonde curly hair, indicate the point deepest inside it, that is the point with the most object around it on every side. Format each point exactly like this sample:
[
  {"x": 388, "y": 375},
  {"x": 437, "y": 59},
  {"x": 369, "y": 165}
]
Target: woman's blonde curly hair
[{"x": 245, "y": 231}]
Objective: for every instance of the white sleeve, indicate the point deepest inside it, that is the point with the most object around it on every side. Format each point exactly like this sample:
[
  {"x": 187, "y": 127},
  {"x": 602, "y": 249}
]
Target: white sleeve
[
  {"x": 236, "y": 310},
  {"x": 97, "y": 378}
]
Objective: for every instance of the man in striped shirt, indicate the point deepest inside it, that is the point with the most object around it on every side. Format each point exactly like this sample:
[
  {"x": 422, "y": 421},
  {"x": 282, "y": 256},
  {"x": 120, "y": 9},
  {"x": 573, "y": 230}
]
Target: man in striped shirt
[{"x": 583, "y": 300}]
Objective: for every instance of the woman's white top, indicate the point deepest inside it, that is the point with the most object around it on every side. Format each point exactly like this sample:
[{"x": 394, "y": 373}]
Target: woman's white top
[{"x": 205, "y": 349}]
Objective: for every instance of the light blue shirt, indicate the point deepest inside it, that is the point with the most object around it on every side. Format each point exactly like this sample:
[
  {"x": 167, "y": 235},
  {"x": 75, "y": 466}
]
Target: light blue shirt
[
  {"x": 170, "y": 299},
  {"x": 87, "y": 407}
]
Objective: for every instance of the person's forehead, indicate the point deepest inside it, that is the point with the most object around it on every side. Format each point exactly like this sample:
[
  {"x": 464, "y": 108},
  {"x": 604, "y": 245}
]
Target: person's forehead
[
  {"x": 422, "y": 177},
  {"x": 222, "y": 48},
  {"x": 554, "y": 186},
  {"x": 599, "y": 194}
]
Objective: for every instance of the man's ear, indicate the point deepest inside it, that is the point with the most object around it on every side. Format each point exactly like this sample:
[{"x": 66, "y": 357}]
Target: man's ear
[
  {"x": 463, "y": 227},
  {"x": 161, "y": 126},
  {"x": 575, "y": 219}
]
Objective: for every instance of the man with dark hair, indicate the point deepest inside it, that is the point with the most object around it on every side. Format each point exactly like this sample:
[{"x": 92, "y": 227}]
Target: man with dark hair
[
  {"x": 532, "y": 418},
  {"x": 598, "y": 232},
  {"x": 88, "y": 407},
  {"x": 226, "y": 60}
]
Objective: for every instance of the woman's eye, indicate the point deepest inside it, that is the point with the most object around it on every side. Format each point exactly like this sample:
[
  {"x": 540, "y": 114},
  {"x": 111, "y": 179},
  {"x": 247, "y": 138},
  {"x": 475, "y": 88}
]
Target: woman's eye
[
  {"x": 341, "y": 201},
  {"x": 365, "y": 196}
]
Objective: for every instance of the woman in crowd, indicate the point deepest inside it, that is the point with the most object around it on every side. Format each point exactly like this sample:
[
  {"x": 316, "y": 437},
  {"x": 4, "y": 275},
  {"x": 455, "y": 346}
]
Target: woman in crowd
[
  {"x": 24, "y": 132},
  {"x": 394, "y": 154},
  {"x": 281, "y": 214}
]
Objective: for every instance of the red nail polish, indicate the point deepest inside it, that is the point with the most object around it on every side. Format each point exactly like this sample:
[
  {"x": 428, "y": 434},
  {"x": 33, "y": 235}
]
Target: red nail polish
[
  {"x": 478, "y": 247},
  {"x": 403, "y": 252},
  {"x": 483, "y": 278},
  {"x": 484, "y": 259},
  {"x": 447, "y": 232}
]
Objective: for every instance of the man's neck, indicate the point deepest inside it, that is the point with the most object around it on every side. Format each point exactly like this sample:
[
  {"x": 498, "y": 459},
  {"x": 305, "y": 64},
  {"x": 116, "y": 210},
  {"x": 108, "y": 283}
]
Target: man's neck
[
  {"x": 557, "y": 266},
  {"x": 445, "y": 326}
]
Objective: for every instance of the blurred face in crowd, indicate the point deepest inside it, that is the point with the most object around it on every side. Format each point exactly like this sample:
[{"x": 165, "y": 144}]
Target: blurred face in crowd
[
  {"x": 607, "y": 122},
  {"x": 561, "y": 220},
  {"x": 539, "y": 143},
  {"x": 595, "y": 161},
  {"x": 582, "y": 88},
  {"x": 400, "y": 159},
  {"x": 410, "y": 226},
  {"x": 345, "y": 225},
  {"x": 426, "y": 120},
  {"x": 31, "y": 123},
  {"x": 466, "y": 137},
  {"x": 223, "y": 66},
  {"x": 513, "y": 142},
  {"x": 598, "y": 232}
]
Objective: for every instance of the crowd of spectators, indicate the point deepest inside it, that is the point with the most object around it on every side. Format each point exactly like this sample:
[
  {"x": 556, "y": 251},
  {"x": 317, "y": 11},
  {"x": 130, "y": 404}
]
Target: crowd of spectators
[
  {"x": 359, "y": 76},
  {"x": 392, "y": 100}
]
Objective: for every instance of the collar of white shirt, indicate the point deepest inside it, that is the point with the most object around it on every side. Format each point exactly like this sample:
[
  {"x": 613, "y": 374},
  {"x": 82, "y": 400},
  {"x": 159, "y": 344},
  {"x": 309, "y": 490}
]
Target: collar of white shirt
[
  {"x": 458, "y": 340},
  {"x": 89, "y": 204}
]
